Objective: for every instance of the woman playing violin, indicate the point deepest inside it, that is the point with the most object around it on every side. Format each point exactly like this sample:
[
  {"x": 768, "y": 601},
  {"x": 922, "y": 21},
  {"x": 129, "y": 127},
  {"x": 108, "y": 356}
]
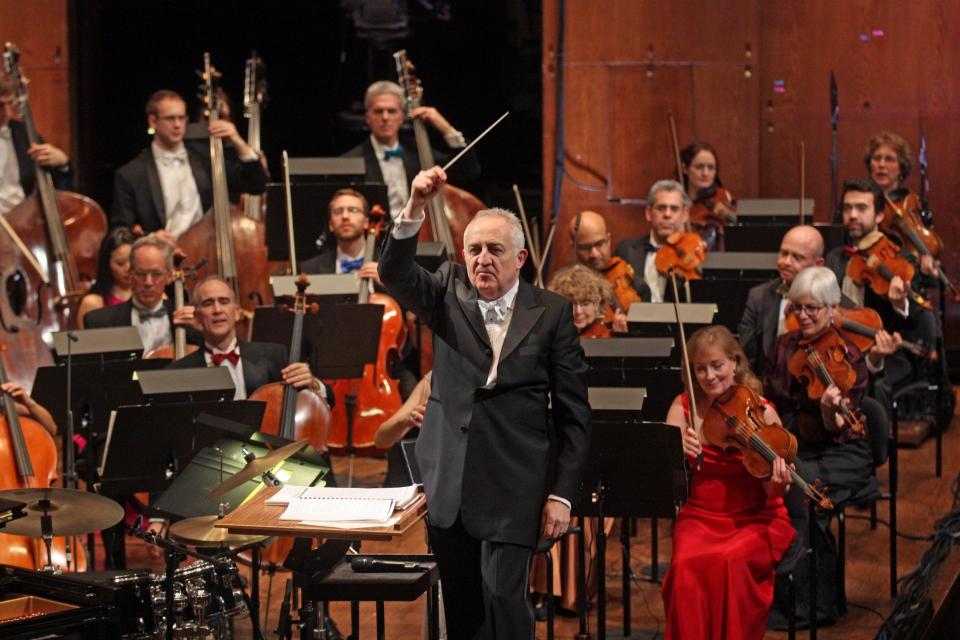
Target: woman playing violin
[
  {"x": 713, "y": 205},
  {"x": 591, "y": 296},
  {"x": 734, "y": 528}
]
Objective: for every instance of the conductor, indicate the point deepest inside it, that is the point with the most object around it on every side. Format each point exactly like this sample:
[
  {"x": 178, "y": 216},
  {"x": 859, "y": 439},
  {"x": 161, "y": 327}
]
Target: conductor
[{"x": 499, "y": 471}]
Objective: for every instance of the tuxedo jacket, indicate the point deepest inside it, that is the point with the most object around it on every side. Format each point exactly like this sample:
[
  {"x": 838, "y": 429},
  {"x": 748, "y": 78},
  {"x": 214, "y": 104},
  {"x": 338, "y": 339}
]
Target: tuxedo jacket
[
  {"x": 467, "y": 167},
  {"x": 492, "y": 454},
  {"x": 324, "y": 262},
  {"x": 62, "y": 176},
  {"x": 138, "y": 196},
  {"x": 118, "y": 315},
  {"x": 634, "y": 251},
  {"x": 262, "y": 363}
]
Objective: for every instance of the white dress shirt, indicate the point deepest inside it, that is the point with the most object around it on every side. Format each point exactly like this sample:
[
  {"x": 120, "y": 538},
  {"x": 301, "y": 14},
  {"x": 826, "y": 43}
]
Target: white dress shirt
[
  {"x": 181, "y": 198},
  {"x": 236, "y": 370},
  {"x": 11, "y": 192},
  {"x": 155, "y": 332},
  {"x": 394, "y": 176},
  {"x": 654, "y": 279}
]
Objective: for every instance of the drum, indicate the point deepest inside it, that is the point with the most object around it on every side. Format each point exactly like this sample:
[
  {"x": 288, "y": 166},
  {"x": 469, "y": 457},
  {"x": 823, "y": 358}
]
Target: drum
[
  {"x": 205, "y": 597},
  {"x": 138, "y": 617}
]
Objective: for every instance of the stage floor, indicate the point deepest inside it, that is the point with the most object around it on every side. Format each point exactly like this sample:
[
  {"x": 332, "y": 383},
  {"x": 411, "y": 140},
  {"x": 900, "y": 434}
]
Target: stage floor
[{"x": 923, "y": 499}]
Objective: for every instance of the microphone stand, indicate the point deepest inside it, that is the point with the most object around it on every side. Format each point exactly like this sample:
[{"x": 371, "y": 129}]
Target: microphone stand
[{"x": 69, "y": 461}]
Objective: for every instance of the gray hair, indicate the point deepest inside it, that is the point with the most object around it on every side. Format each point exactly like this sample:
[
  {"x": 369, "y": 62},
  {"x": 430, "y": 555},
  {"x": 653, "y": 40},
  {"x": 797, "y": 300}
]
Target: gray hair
[
  {"x": 380, "y": 87},
  {"x": 212, "y": 278},
  {"x": 668, "y": 186},
  {"x": 513, "y": 222},
  {"x": 818, "y": 282},
  {"x": 153, "y": 241}
]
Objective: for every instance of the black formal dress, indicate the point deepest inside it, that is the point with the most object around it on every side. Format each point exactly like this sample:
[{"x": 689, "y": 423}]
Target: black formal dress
[{"x": 489, "y": 455}]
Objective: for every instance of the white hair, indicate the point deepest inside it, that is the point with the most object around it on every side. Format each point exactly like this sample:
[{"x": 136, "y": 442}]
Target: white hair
[
  {"x": 818, "y": 282},
  {"x": 380, "y": 87},
  {"x": 668, "y": 186},
  {"x": 513, "y": 222}
]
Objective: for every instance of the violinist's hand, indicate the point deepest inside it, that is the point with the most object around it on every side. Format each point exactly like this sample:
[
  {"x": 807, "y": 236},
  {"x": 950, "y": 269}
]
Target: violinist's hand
[
  {"x": 619, "y": 321},
  {"x": 779, "y": 482},
  {"x": 929, "y": 266},
  {"x": 299, "y": 377},
  {"x": 424, "y": 187},
  {"x": 369, "y": 270},
  {"x": 435, "y": 118},
  {"x": 691, "y": 442},
  {"x": 554, "y": 519},
  {"x": 47, "y": 155},
  {"x": 898, "y": 293},
  {"x": 184, "y": 317}
]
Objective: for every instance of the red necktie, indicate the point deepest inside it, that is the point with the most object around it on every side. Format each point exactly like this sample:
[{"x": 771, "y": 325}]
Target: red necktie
[{"x": 232, "y": 356}]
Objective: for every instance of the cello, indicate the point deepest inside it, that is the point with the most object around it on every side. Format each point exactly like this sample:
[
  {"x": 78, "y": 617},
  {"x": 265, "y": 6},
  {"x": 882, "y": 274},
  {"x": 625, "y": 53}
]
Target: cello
[
  {"x": 369, "y": 401},
  {"x": 225, "y": 232},
  {"x": 254, "y": 96},
  {"x": 28, "y": 459},
  {"x": 75, "y": 225}
]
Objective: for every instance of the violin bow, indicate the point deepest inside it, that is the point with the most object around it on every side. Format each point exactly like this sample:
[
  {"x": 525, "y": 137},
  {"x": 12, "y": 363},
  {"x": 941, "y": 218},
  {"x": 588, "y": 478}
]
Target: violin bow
[
  {"x": 834, "y": 154},
  {"x": 676, "y": 145},
  {"x": 534, "y": 246},
  {"x": 686, "y": 363},
  {"x": 803, "y": 178},
  {"x": 289, "y": 202}
]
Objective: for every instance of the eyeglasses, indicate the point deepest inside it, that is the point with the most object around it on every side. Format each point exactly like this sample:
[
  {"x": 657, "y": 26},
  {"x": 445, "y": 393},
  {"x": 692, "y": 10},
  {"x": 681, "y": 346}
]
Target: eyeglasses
[
  {"x": 809, "y": 309},
  {"x": 143, "y": 275},
  {"x": 590, "y": 246},
  {"x": 339, "y": 211},
  {"x": 172, "y": 118}
]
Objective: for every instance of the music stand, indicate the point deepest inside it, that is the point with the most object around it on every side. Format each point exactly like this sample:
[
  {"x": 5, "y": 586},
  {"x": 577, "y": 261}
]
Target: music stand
[
  {"x": 175, "y": 433},
  {"x": 753, "y": 210},
  {"x": 330, "y": 288},
  {"x": 639, "y": 363},
  {"x": 754, "y": 236},
  {"x": 198, "y": 384},
  {"x": 636, "y": 470},
  {"x": 311, "y": 215}
]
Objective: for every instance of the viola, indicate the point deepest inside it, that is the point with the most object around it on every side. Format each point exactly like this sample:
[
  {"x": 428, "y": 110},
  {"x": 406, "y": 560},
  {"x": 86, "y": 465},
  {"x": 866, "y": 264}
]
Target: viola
[
  {"x": 225, "y": 232},
  {"x": 877, "y": 261},
  {"x": 28, "y": 459},
  {"x": 683, "y": 253},
  {"x": 596, "y": 329},
  {"x": 823, "y": 361},
  {"x": 904, "y": 223},
  {"x": 376, "y": 396},
  {"x": 620, "y": 273},
  {"x": 860, "y": 327},
  {"x": 738, "y": 422},
  {"x": 713, "y": 206}
]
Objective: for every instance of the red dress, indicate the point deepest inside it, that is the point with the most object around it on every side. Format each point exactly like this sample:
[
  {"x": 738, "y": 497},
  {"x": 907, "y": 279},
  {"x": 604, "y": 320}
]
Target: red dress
[{"x": 727, "y": 541}]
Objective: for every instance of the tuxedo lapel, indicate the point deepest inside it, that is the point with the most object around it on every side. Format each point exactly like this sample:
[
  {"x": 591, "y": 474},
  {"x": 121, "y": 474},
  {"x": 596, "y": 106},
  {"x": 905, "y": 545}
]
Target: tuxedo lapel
[
  {"x": 771, "y": 317},
  {"x": 374, "y": 174},
  {"x": 526, "y": 312},
  {"x": 255, "y": 369},
  {"x": 156, "y": 190},
  {"x": 201, "y": 176},
  {"x": 467, "y": 298}
]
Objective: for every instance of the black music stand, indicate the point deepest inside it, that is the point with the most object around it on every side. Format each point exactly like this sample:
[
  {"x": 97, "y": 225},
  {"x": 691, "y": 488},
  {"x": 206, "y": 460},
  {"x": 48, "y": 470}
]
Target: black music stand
[
  {"x": 767, "y": 210},
  {"x": 323, "y": 288},
  {"x": 149, "y": 444},
  {"x": 197, "y": 384},
  {"x": 636, "y": 470},
  {"x": 753, "y": 236}
]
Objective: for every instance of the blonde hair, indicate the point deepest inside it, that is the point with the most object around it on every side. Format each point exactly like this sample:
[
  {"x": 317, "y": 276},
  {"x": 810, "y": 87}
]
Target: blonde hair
[
  {"x": 582, "y": 283},
  {"x": 720, "y": 337}
]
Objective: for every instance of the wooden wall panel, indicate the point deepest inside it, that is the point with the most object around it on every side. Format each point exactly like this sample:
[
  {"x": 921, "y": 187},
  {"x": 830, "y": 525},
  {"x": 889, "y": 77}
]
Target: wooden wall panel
[{"x": 39, "y": 28}]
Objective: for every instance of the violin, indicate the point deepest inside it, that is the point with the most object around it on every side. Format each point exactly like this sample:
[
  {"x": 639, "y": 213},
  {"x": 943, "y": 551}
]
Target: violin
[
  {"x": 375, "y": 397},
  {"x": 713, "y": 206},
  {"x": 903, "y": 222},
  {"x": 683, "y": 254},
  {"x": 860, "y": 327},
  {"x": 738, "y": 422},
  {"x": 821, "y": 362},
  {"x": 620, "y": 273},
  {"x": 596, "y": 329},
  {"x": 28, "y": 459},
  {"x": 877, "y": 261}
]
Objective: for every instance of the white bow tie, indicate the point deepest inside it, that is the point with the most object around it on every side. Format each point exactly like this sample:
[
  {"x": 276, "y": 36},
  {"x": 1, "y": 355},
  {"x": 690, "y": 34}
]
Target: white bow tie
[
  {"x": 494, "y": 311},
  {"x": 171, "y": 158}
]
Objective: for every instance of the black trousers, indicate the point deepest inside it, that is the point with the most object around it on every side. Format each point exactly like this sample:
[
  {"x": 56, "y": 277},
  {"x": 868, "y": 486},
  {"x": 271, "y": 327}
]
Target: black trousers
[{"x": 486, "y": 586}]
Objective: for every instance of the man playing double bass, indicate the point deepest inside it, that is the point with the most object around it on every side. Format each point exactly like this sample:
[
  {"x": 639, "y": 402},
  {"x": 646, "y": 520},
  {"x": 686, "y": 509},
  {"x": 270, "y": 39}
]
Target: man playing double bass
[
  {"x": 390, "y": 162},
  {"x": 18, "y": 158},
  {"x": 168, "y": 187},
  {"x": 502, "y": 348}
]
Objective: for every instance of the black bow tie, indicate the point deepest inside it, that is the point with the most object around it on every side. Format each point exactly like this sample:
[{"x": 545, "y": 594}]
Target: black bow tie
[{"x": 146, "y": 314}]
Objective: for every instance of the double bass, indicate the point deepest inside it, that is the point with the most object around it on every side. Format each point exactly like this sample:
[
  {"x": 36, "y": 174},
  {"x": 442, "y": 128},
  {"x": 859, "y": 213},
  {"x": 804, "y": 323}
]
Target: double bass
[
  {"x": 179, "y": 348},
  {"x": 28, "y": 459},
  {"x": 225, "y": 232},
  {"x": 254, "y": 96}
]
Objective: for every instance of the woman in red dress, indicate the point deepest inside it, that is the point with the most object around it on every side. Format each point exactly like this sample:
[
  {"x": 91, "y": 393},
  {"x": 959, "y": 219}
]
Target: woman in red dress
[{"x": 734, "y": 528}]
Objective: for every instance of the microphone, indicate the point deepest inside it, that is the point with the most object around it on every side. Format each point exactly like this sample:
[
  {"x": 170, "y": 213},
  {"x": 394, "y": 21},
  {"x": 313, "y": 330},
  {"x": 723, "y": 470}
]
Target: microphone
[{"x": 362, "y": 564}]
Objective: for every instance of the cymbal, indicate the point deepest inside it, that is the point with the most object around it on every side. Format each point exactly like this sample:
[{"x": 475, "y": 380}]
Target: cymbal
[
  {"x": 72, "y": 512},
  {"x": 200, "y": 532},
  {"x": 257, "y": 467}
]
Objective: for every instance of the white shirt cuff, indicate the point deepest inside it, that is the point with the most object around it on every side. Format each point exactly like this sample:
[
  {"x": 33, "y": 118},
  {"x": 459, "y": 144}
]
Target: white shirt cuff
[
  {"x": 250, "y": 157},
  {"x": 455, "y": 140},
  {"x": 872, "y": 369},
  {"x": 405, "y": 227},
  {"x": 560, "y": 500}
]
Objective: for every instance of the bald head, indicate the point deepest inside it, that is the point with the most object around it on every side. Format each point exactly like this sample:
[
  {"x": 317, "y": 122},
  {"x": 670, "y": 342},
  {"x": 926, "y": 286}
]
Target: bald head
[
  {"x": 590, "y": 239},
  {"x": 801, "y": 247}
]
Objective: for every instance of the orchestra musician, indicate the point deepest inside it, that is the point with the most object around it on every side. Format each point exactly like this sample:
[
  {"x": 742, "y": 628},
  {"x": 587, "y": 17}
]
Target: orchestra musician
[
  {"x": 167, "y": 188},
  {"x": 589, "y": 293},
  {"x": 151, "y": 267},
  {"x": 734, "y": 528},
  {"x": 667, "y": 211},
  {"x": 349, "y": 222},
  {"x": 113, "y": 283},
  {"x": 500, "y": 346},
  {"x": 27, "y": 406},
  {"x": 390, "y": 162},
  {"x": 713, "y": 206},
  {"x": 592, "y": 246},
  {"x": 251, "y": 364},
  {"x": 18, "y": 158}
]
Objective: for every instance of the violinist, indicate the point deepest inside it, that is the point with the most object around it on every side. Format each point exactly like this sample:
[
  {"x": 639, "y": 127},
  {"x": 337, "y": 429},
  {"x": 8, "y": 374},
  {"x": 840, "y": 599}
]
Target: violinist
[
  {"x": 592, "y": 245},
  {"x": 733, "y": 529},
  {"x": 591, "y": 296},
  {"x": 713, "y": 205},
  {"x": 251, "y": 364},
  {"x": 390, "y": 162},
  {"x": 18, "y": 158},
  {"x": 168, "y": 187},
  {"x": 114, "y": 281},
  {"x": 151, "y": 268},
  {"x": 667, "y": 211}
]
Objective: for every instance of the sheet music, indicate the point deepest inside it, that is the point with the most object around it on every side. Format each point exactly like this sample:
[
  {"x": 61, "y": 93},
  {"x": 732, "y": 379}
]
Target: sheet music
[
  {"x": 306, "y": 508},
  {"x": 286, "y": 494},
  {"x": 403, "y": 496}
]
